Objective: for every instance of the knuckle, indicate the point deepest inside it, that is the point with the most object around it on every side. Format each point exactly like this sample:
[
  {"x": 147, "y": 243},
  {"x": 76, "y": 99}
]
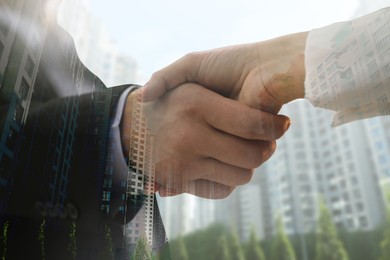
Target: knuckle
[
  {"x": 224, "y": 191},
  {"x": 190, "y": 57},
  {"x": 190, "y": 108},
  {"x": 268, "y": 150},
  {"x": 252, "y": 127},
  {"x": 255, "y": 156},
  {"x": 245, "y": 177},
  {"x": 262, "y": 151},
  {"x": 156, "y": 76}
]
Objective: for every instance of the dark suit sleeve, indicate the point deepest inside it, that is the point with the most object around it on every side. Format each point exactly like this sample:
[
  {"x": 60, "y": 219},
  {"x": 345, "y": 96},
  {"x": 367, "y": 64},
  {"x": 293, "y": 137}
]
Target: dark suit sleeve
[{"x": 56, "y": 172}]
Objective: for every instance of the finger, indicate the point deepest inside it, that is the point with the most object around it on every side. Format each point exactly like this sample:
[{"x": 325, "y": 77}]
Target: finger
[
  {"x": 236, "y": 151},
  {"x": 174, "y": 174},
  {"x": 210, "y": 190},
  {"x": 235, "y": 118},
  {"x": 179, "y": 72},
  {"x": 201, "y": 188},
  {"x": 225, "y": 174}
]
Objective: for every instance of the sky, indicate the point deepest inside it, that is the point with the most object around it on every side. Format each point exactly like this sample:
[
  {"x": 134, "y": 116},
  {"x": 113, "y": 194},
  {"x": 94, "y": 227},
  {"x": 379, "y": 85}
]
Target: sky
[{"x": 156, "y": 33}]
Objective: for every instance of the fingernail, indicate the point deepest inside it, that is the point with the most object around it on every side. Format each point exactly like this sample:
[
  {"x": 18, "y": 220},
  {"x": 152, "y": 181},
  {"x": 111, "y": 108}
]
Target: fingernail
[{"x": 288, "y": 124}]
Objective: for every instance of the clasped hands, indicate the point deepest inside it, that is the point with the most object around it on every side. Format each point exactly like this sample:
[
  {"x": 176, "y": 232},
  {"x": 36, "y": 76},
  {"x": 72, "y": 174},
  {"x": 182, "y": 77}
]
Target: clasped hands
[{"x": 214, "y": 116}]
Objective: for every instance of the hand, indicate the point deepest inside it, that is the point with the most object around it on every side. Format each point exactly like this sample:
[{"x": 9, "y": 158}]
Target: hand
[
  {"x": 203, "y": 143},
  {"x": 263, "y": 75}
]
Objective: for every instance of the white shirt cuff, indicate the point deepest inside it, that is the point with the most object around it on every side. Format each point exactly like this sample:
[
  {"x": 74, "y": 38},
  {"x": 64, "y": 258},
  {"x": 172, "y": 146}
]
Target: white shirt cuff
[
  {"x": 348, "y": 67},
  {"x": 119, "y": 162}
]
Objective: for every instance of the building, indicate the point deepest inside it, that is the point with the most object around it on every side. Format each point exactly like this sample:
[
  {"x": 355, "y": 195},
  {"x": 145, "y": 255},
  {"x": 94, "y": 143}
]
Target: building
[
  {"x": 19, "y": 64},
  {"x": 40, "y": 154},
  {"x": 94, "y": 44}
]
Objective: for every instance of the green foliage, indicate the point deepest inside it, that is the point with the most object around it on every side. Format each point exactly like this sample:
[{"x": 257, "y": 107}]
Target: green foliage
[
  {"x": 72, "y": 247},
  {"x": 222, "y": 250},
  {"x": 180, "y": 250},
  {"x": 107, "y": 253},
  {"x": 328, "y": 245},
  {"x": 4, "y": 239},
  {"x": 142, "y": 250},
  {"x": 361, "y": 245},
  {"x": 385, "y": 244},
  {"x": 236, "y": 251},
  {"x": 281, "y": 247},
  {"x": 163, "y": 254},
  {"x": 254, "y": 250},
  {"x": 41, "y": 238},
  {"x": 202, "y": 243}
]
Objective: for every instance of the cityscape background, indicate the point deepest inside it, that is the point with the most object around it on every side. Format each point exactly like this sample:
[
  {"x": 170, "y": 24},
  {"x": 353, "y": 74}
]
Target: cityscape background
[{"x": 347, "y": 166}]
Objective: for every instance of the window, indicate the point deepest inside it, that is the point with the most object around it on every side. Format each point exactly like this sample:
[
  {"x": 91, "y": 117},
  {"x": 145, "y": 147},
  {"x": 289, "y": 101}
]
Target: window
[
  {"x": 29, "y": 66},
  {"x": 4, "y": 26},
  {"x": 363, "y": 222},
  {"x": 107, "y": 183},
  {"x": 1, "y": 49},
  {"x": 106, "y": 195},
  {"x": 105, "y": 209},
  {"x": 360, "y": 207},
  {"x": 100, "y": 107},
  {"x": 24, "y": 89},
  {"x": 11, "y": 139},
  {"x": 5, "y": 166},
  {"x": 102, "y": 97},
  {"x": 18, "y": 113}
]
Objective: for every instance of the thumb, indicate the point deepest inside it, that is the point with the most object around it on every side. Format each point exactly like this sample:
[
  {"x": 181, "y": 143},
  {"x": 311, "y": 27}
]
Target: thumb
[
  {"x": 181, "y": 71},
  {"x": 284, "y": 87}
]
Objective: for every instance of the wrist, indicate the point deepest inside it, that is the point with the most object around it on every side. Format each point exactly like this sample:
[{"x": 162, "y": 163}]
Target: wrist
[
  {"x": 289, "y": 85},
  {"x": 127, "y": 120}
]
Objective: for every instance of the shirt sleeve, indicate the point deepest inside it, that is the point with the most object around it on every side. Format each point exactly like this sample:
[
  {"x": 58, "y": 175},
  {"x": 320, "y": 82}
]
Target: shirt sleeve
[
  {"x": 119, "y": 162},
  {"x": 348, "y": 67}
]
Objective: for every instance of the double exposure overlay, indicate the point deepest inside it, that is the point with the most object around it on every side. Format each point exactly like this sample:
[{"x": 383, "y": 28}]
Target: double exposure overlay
[{"x": 92, "y": 169}]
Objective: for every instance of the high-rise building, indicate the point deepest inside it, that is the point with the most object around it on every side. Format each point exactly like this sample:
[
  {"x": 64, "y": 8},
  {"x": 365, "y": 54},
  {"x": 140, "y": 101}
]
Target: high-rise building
[
  {"x": 49, "y": 118},
  {"x": 19, "y": 64},
  {"x": 94, "y": 45}
]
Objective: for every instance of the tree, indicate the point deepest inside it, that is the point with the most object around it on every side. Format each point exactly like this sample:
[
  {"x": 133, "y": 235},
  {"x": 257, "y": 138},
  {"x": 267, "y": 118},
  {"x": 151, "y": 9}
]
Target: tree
[
  {"x": 222, "y": 251},
  {"x": 385, "y": 244},
  {"x": 163, "y": 254},
  {"x": 107, "y": 253},
  {"x": 4, "y": 239},
  {"x": 72, "y": 247},
  {"x": 180, "y": 250},
  {"x": 281, "y": 248},
  {"x": 41, "y": 238},
  {"x": 254, "y": 250},
  {"x": 328, "y": 245},
  {"x": 142, "y": 250},
  {"x": 236, "y": 251}
]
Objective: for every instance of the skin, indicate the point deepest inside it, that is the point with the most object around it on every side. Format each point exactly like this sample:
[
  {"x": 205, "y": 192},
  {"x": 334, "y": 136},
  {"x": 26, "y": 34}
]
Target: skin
[
  {"x": 203, "y": 143},
  {"x": 207, "y": 144},
  {"x": 263, "y": 75}
]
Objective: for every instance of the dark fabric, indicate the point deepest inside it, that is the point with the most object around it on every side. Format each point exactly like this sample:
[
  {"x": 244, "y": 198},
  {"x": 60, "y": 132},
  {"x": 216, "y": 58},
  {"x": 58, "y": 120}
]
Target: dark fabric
[{"x": 57, "y": 185}]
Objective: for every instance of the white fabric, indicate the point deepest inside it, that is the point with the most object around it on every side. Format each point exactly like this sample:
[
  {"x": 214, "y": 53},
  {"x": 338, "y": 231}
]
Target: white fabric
[
  {"x": 119, "y": 162},
  {"x": 348, "y": 67}
]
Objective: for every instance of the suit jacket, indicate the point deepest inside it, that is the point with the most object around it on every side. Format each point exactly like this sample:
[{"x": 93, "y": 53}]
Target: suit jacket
[{"x": 60, "y": 196}]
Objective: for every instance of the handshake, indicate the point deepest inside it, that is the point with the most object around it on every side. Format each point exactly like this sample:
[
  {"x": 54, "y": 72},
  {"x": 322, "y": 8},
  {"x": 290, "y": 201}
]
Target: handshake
[{"x": 213, "y": 116}]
